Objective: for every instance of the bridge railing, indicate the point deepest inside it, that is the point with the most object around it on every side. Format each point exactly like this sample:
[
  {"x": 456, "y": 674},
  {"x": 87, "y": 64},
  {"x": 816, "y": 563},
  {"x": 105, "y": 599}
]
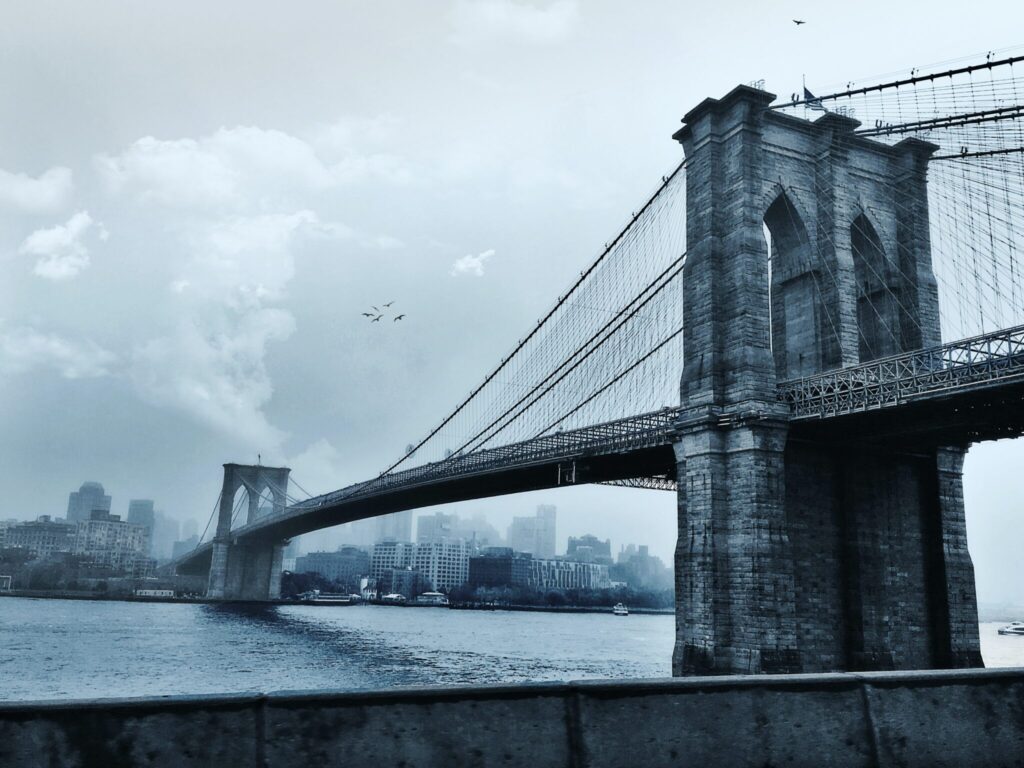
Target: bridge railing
[{"x": 893, "y": 380}]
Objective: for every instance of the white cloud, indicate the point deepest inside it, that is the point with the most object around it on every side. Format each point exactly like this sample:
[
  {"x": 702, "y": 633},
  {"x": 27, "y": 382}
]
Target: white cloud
[
  {"x": 212, "y": 366},
  {"x": 236, "y": 168},
  {"x": 218, "y": 377},
  {"x": 471, "y": 265},
  {"x": 23, "y": 349},
  {"x": 61, "y": 250},
  {"x": 478, "y": 22},
  {"x": 47, "y": 193}
]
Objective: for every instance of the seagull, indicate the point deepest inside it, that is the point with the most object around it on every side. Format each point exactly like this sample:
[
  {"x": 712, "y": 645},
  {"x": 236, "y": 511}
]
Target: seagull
[
  {"x": 388, "y": 304},
  {"x": 798, "y": 22},
  {"x": 377, "y": 319},
  {"x": 367, "y": 314},
  {"x": 397, "y": 318},
  {"x": 375, "y": 309}
]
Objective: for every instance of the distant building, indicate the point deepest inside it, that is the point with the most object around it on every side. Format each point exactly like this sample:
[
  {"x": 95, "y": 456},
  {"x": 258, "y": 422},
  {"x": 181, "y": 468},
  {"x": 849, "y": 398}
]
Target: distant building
[
  {"x": 536, "y": 534},
  {"x": 347, "y": 565},
  {"x": 183, "y": 547},
  {"x": 476, "y": 532},
  {"x": 189, "y": 528},
  {"x": 140, "y": 512},
  {"x": 642, "y": 570},
  {"x": 499, "y": 567},
  {"x": 82, "y": 502},
  {"x": 165, "y": 533},
  {"x": 589, "y": 549},
  {"x": 568, "y": 574},
  {"x": 444, "y": 564},
  {"x": 43, "y": 537},
  {"x": 395, "y": 527},
  {"x": 107, "y": 540}
]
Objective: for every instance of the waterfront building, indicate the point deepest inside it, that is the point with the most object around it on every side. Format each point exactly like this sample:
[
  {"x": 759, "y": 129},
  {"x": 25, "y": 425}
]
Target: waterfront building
[
  {"x": 568, "y": 574},
  {"x": 88, "y": 497},
  {"x": 43, "y": 537},
  {"x": 4, "y": 525},
  {"x": 407, "y": 582},
  {"x": 346, "y": 566},
  {"x": 386, "y": 556},
  {"x": 107, "y": 540},
  {"x": 444, "y": 564},
  {"x": 536, "y": 534},
  {"x": 140, "y": 512},
  {"x": 499, "y": 567},
  {"x": 589, "y": 549}
]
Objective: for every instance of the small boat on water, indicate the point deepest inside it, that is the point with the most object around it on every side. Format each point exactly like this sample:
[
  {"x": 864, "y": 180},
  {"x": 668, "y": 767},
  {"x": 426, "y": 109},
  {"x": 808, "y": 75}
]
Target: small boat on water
[
  {"x": 329, "y": 598},
  {"x": 620, "y": 610},
  {"x": 1013, "y": 628}
]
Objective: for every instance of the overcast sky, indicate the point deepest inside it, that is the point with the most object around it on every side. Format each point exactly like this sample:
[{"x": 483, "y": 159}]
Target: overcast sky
[{"x": 198, "y": 199}]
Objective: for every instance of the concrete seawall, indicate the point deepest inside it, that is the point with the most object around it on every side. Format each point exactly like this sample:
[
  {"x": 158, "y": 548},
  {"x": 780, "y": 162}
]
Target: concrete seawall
[{"x": 956, "y": 718}]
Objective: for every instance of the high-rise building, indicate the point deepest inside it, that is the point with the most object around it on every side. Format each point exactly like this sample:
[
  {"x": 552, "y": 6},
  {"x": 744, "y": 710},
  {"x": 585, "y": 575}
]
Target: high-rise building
[
  {"x": 476, "y": 532},
  {"x": 396, "y": 527},
  {"x": 536, "y": 534},
  {"x": 82, "y": 502},
  {"x": 189, "y": 528},
  {"x": 184, "y": 546},
  {"x": 140, "y": 512},
  {"x": 165, "y": 533}
]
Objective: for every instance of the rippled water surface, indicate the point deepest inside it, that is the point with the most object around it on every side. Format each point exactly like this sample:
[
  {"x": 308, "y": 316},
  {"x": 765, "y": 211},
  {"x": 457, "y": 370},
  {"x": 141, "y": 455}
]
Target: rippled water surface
[{"x": 79, "y": 649}]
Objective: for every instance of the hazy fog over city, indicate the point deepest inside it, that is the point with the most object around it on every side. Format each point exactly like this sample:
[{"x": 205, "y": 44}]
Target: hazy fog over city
[{"x": 198, "y": 202}]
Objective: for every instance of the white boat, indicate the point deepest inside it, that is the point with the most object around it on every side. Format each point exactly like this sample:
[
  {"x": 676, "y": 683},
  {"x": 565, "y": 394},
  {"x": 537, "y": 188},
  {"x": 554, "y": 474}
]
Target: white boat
[
  {"x": 620, "y": 610},
  {"x": 1013, "y": 628}
]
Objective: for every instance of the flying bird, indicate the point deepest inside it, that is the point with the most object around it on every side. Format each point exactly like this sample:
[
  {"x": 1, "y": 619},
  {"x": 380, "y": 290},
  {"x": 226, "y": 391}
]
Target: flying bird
[
  {"x": 388, "y": 304},
  {"x": 397, "y": 318},
  {"x": 375, "y": 309},
  {"x": 367, "y": 314},
  {"x": 798, "y": 22},
  {"x": 377, "y": 319}
]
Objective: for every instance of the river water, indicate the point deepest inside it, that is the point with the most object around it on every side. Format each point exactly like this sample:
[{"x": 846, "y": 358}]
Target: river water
[{"x": 69, "y": 649}]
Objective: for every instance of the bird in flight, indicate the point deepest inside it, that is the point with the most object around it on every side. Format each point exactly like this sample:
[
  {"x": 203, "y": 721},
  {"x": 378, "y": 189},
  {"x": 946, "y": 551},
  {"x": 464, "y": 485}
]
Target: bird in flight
[
  {"x": 367, "y": 314},
  {"x": 388, "y": 304},
  {"x": 377, "y": 319},
  {"x": 397, "y": 318},
  {"x": 375, "y": 309},
  {"x": 798, "y": 22}
]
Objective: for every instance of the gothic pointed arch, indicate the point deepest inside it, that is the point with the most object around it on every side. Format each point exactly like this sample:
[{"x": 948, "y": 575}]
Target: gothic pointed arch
[
  {"x": 879, "y": 324},
  {"x": 802, "y": 336}
]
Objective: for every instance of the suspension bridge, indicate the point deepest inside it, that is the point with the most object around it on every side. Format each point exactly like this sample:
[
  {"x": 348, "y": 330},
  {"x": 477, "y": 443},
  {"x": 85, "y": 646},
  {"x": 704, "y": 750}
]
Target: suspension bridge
[{"x": 764, "y": 336}]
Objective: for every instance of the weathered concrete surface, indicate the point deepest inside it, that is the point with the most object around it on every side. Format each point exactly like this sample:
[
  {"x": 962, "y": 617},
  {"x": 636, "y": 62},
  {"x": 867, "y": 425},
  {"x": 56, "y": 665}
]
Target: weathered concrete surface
[{"x": 960, "y": 718}]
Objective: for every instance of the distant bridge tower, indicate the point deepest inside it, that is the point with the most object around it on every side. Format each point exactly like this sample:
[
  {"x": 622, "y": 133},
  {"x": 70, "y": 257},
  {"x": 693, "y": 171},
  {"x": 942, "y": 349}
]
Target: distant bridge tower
[
  {"x": 250, "y": 571},
  {"x": 797, "y": 551}
]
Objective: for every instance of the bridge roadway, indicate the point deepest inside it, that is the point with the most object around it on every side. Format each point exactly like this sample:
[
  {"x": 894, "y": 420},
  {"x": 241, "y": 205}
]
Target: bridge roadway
[{"x": 954, "y": 394}]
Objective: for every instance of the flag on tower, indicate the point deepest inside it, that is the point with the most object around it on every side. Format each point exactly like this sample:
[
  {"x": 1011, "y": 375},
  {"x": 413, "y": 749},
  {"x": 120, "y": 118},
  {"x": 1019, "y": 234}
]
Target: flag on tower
[{"x": 813, "y": 101}]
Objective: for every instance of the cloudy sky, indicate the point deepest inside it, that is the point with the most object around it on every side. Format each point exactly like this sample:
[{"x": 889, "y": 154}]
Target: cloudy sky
[{"x": 198, "y": 199}]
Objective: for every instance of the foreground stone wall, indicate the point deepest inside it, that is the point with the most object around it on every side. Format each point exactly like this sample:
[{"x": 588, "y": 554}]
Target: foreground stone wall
[{"x": 961, "y": 718}]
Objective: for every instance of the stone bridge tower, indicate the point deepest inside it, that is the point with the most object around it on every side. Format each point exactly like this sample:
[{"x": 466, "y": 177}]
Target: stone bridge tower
[
  {"x": 250, "y": 571},
  {"x": 808, "y": 250}
]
